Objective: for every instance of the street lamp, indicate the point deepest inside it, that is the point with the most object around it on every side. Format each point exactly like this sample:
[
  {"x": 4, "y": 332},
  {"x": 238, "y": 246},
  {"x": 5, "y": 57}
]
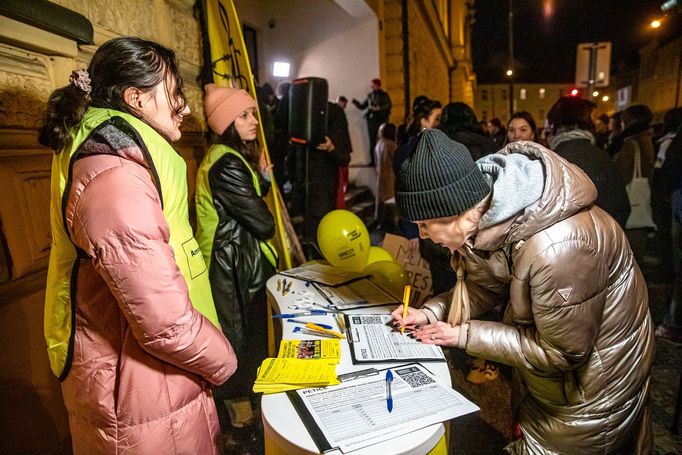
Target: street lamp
[
  {"x": 510, "y": 73},
  {"x": 605, "y": 98},
  {"x": 655, "y": 23}
]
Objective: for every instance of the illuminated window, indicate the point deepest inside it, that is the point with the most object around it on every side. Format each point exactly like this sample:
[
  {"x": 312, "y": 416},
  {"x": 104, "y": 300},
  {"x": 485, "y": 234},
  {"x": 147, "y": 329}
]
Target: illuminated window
[
  {"x": 280, "y": 69},
  {"x": 522, "y": 94},
  {"x": 541, "y": 93}
]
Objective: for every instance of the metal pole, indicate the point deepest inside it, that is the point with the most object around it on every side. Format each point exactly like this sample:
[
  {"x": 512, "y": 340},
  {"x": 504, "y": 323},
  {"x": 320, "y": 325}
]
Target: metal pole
[
  {"x": 593, "y": 69},
  {"x": 679, "y": 74},
  {"x": 511, "y": 60}
]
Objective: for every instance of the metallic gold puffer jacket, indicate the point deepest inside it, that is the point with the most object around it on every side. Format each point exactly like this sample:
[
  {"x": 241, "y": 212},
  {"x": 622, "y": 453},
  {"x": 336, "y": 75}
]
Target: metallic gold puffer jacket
[{"x": 577, "y": 327}]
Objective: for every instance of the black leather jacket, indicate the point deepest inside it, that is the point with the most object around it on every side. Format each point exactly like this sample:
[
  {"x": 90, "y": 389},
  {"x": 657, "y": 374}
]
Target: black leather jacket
[{"x": 238, "y": 269}]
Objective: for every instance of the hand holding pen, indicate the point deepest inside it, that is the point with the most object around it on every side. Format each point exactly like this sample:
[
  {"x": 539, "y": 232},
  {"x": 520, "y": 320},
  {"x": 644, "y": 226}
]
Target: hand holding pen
[
  {"x": 415, "y": 318},
  {"x": 406, "y": 303}
]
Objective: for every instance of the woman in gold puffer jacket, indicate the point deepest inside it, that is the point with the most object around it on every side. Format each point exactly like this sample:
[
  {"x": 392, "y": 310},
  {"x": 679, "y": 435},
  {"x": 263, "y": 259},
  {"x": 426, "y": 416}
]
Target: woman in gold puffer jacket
[{"x": 576, "y": 329}]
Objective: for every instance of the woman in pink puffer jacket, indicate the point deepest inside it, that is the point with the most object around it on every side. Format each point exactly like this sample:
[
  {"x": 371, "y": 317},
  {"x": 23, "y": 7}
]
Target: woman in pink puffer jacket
[{"x": 130, "y": 325}]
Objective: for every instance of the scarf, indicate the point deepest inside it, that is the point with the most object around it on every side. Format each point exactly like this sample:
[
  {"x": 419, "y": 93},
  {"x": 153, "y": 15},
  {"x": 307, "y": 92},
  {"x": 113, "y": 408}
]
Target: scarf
[{"x": 564, "y": 135}]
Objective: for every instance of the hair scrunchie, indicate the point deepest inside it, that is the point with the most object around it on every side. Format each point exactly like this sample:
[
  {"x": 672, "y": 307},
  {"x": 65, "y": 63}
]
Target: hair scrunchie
[{"x": 81, "y": 79}]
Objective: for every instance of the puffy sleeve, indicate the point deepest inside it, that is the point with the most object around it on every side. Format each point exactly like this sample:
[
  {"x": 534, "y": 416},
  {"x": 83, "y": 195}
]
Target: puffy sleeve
[
  {"x": 565, "y": 288},
  {"x": 117, "y": 220}
]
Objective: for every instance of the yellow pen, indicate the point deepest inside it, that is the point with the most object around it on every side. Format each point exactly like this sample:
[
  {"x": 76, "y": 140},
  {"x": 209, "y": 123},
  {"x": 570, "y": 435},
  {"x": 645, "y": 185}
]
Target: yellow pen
[
  {"x": 314, "y": 326},
  {"x": 406, "y": 303}
]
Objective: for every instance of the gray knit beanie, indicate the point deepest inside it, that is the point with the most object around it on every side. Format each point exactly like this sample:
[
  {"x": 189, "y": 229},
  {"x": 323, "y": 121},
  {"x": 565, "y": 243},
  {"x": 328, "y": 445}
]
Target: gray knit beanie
[{"x": 439, "y": 179}]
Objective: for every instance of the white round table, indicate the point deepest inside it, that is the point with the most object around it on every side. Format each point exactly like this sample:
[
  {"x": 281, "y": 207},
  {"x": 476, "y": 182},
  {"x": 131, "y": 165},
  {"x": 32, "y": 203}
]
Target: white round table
[{"x": 285, "y": 432}]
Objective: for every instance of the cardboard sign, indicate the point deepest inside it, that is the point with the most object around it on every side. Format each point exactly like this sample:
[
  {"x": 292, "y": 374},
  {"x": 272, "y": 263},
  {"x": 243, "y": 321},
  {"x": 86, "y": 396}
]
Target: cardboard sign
[{"x": 416, "y": 267}]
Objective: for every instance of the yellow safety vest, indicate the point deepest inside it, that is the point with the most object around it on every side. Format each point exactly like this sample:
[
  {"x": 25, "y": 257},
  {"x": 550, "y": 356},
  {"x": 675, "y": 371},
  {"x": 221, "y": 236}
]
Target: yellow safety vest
[
  {"x": 170, "y": 178},
  {"x": 207, "y": 217}
]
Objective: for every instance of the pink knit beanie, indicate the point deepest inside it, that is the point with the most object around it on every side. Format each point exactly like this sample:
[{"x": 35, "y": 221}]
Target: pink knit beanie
[{"x": 223, "y": 105}]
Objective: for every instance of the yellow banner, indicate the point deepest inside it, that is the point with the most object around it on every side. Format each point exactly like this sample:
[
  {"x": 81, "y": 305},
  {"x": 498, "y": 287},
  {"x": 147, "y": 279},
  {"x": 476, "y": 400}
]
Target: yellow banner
[{"x": 230, "y": 67}]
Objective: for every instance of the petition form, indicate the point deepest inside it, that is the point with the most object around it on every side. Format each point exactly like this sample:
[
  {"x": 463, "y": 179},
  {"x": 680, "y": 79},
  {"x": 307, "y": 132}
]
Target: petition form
[
  {"x": 374, "y": 339},
  {"x": 355, "y": 415}
]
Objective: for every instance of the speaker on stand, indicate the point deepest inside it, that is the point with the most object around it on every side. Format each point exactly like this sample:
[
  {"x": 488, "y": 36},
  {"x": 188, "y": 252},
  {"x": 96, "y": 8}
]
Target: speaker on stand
[{"x": 307, "y": 129}]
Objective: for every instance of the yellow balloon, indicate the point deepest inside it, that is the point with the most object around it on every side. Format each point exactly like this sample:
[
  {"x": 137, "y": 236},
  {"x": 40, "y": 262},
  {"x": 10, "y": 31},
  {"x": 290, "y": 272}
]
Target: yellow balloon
[
  {"x": 344, "y": 240},
  {"x": 389, "y": 275},
  {"x": 376, "y": 254}
]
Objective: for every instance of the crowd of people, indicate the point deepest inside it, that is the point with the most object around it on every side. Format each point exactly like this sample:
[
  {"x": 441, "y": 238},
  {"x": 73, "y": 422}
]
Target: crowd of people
[{"x": 538, "y": 225}]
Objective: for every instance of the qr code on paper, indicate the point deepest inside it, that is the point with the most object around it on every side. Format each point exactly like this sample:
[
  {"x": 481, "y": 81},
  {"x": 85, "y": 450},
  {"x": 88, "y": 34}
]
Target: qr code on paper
[
  {"x": 414, "y": 376},
  {"x": 367, "y": 320}
]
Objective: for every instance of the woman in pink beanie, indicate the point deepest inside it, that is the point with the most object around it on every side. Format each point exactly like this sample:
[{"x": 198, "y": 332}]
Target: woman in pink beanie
[{"x": 233, "y": 228}]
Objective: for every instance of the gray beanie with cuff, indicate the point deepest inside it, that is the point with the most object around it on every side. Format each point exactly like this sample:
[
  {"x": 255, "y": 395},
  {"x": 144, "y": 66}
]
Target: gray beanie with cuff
[{"x": 439, "y": 179}]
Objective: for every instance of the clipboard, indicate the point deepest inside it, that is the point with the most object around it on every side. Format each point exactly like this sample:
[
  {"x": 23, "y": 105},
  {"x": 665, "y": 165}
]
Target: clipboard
[
  {"x": 363, "y": 343},
  {"x": 323, "y": 274},
  {"x": 360, "y": 293},
  {"x": 314, "y": 430},
  {"x": 421, "y": 399}
]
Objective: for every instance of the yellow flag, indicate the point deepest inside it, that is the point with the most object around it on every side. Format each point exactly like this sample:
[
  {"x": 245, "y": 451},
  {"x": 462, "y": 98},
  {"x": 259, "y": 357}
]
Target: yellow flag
[{"x": 230, "y": 67}]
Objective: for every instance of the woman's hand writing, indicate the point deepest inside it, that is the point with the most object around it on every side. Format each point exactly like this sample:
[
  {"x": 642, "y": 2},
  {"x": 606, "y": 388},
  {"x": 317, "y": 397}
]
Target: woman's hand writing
[{"x": 414, "y": 317}]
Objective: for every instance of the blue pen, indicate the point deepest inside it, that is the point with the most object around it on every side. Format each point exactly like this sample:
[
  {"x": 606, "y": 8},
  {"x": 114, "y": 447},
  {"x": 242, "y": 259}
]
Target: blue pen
[
  {"x": 304, "y": 313},
  {"x": 389, "y": 397},
  {"x": 298, "y": 321}
]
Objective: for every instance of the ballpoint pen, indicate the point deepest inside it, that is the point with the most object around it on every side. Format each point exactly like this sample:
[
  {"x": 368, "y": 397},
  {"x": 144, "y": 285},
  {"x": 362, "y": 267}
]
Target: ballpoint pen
[
  {"x": 340, "y": 322},
  {"x": 406, "y": 302},
  {"x": 326, "y": 307},
  {"x": 316, "y": 333},
  {"x": 316, "y": 327},
  {"x": 298, "y": 321},
  {"x": 303, "y": 313},
  {"x": 389, "y": 397}
]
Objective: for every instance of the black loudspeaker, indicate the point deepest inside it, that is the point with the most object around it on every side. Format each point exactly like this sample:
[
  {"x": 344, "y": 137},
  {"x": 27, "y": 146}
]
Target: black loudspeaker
[{"x": 308, "y": 110}]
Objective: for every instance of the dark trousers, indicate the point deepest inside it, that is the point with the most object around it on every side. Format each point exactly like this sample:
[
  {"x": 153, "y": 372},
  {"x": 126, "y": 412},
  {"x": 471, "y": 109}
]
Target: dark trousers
[
  {"x": 373, "y": 129},
  {"x": 674, "y": 317}
]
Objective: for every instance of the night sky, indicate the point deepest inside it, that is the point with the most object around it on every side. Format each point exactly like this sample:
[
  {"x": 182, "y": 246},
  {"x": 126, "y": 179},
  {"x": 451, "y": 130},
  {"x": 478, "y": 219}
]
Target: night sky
[{"x": 547, "y": 32}]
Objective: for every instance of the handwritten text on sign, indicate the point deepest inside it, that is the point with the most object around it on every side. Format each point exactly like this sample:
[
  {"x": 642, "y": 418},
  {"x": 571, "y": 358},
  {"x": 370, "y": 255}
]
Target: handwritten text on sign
[{"x": 416, "y": 267}]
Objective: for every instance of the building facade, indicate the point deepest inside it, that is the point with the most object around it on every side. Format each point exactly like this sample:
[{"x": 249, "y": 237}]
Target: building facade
[
  {"x": 660, "y": 77},
  {"x": 416, "y": 47},
  {"x": 492, "y": 100},
  {"x": 425, "y": 49}
]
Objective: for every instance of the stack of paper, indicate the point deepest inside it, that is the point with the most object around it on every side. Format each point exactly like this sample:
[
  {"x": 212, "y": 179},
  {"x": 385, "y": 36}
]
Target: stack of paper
[
  {"x": 281, "y": 374},
  {"x": 311, "y": 349}
]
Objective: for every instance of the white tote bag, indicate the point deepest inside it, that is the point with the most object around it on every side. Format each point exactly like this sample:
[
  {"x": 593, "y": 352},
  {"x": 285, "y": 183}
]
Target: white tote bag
[{"x": 639, "y": 194}]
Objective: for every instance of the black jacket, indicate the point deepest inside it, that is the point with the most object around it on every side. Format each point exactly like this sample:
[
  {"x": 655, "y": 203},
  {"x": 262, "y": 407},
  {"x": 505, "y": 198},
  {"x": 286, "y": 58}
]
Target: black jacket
[
  {"x": 478, "y": 144},
  {"x": 376, "y": 99},
  {"x": 238, "y": 270},
  {"x": 595, "y": 162}
]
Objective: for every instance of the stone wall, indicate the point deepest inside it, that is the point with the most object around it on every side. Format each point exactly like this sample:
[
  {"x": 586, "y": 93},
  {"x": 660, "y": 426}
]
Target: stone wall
[
  {"x": 439, "y": 53},
  {"x": 33, "y": 63}
]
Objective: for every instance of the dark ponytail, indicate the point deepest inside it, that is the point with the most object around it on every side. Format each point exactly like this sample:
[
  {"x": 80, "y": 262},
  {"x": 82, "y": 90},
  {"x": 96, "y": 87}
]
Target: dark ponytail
[
  {"x": 65, "y": 109},
  {"x": 419, "y": 112},
  {"x": 118, "y": 64}
]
